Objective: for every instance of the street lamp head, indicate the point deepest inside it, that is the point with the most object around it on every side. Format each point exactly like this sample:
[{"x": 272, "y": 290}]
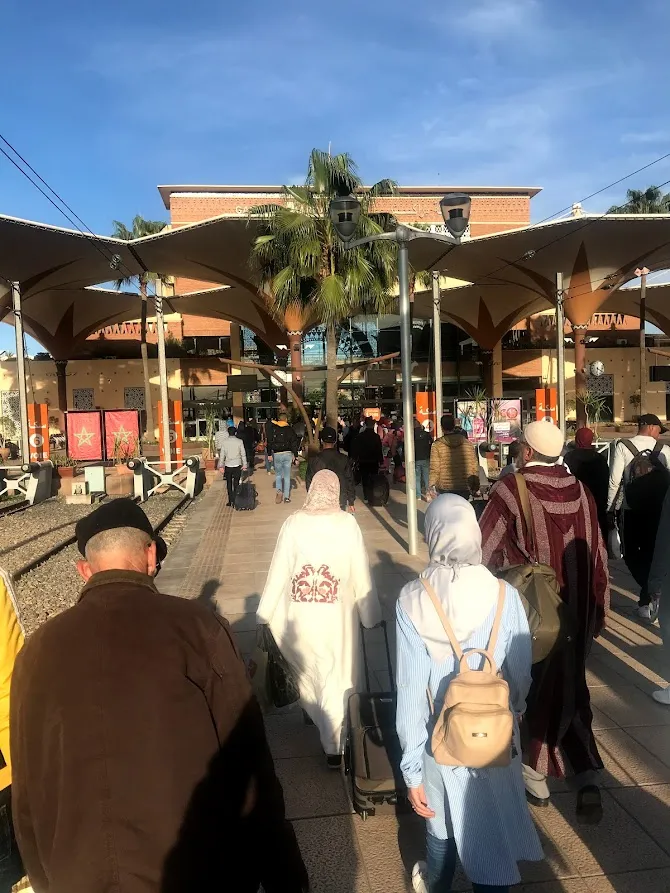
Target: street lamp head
[
  {"x": 455, "y": 207},
  {"x": 345, "y": 212}
]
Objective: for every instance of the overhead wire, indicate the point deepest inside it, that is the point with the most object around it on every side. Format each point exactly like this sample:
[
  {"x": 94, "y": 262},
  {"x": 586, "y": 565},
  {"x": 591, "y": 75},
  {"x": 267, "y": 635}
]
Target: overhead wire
[{"x": 114, "y": 260}]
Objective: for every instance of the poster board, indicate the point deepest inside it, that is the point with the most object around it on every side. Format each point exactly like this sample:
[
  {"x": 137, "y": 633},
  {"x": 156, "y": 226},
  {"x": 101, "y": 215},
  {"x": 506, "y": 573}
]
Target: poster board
[
  {"x": 122, "y": 433},
  {"x": 84, "y": 435},
  {"x": 546, "y": 404},
  {"x": 506, "y": 422},
  {"x": 426, "y": 411},
  {"x": 176, "y": 431},
  {"x": 38, "y": 431}
]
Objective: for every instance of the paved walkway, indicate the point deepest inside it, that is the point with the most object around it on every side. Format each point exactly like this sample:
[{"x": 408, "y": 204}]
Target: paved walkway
[{"x": 222, "y": 558}]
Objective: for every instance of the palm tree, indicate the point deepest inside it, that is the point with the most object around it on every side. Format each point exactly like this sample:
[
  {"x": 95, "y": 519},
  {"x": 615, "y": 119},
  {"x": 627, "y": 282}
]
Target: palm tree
[
  {"x": 648, "y": 201},
  {"x": 302, "y": 264},
  {"x": 142, "y": 227}
]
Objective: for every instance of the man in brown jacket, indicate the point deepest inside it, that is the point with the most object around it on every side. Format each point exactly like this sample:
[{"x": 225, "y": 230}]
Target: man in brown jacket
[
  {"x": 453, "y": 463},
  {"x": 139, "y": 753}
]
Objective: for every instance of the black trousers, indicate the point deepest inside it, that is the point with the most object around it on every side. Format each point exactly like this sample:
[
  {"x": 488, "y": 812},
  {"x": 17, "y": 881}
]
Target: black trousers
[
  {"x": 232, "y": 476},
  {"x": 368, "y": 470},
  {"x": 638, "y": 541}
]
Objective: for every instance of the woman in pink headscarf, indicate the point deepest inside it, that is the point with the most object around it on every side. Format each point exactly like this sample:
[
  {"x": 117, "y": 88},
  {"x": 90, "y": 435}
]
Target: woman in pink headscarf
[{"x": 318, "y": 590}]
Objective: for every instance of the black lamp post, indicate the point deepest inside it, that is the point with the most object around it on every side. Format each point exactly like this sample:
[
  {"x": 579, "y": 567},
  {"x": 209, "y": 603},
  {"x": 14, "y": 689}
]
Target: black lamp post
[{"x": 345, "y": 212}]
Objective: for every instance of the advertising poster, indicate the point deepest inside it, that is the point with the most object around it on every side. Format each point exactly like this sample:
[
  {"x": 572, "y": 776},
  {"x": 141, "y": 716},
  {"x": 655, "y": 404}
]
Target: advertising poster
[
  {"x": 546, "y": 404},
  {"x": 122, "y": 434},
  {"x": 505, "y": 421},
  {"x": 425, "y": 410},
  {"x": 84, "y": 435},
  {"x": 176, "y": 431},
  {"x": 38, "y": 431}
]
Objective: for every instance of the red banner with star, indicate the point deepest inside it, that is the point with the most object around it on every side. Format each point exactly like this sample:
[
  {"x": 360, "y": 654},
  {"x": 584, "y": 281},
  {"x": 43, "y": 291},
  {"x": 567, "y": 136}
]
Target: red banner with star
[
  {"x": 122, "y": 434},
  {"x": 84, "y": 435}
]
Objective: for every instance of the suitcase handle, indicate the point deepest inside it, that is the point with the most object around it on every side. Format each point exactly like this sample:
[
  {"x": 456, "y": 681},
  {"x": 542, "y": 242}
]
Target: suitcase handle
[{"x": 388, "y": 657}]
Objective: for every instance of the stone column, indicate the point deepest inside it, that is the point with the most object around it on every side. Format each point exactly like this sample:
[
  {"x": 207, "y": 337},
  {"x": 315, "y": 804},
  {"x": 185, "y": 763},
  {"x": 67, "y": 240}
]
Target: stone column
[
  {"x": 236, "y": 354},
  {"x": 492, "y": 377},
  {"x": 579, "y": 331}
]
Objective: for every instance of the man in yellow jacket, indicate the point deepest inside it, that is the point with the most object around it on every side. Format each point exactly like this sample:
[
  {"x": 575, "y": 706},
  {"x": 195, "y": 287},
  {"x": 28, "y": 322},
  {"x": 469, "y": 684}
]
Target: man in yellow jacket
[{"x": 11, "y": 642}]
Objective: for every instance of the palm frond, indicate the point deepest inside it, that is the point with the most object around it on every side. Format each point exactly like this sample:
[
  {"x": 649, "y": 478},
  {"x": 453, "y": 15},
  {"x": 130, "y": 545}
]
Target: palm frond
[{"x": 331, "y": 301}]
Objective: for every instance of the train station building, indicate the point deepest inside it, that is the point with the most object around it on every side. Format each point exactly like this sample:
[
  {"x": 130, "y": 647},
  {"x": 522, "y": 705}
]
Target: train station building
[{"x": 499, "y": 332}]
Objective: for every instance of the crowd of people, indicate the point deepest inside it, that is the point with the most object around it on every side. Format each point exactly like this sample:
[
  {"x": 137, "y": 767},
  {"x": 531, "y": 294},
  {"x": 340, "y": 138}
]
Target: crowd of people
[{"x": 138, "y": 759}]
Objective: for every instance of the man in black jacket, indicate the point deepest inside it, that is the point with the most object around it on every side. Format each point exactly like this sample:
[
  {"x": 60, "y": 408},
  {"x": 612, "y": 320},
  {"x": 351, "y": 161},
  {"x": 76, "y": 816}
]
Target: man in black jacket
[
  {"x": 283, "y": 442},
  {"x": 366, "y": 449},
  {"x": 329, "y": 458}
]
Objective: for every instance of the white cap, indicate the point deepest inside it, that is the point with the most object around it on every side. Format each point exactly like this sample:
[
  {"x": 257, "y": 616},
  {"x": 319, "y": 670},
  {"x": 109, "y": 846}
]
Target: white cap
[{"x": 545, "y": 438}]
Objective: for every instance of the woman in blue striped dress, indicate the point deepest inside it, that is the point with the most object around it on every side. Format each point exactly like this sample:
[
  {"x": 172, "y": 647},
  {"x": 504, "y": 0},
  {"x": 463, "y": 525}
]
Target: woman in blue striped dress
[{"x": 480, "y": 815}]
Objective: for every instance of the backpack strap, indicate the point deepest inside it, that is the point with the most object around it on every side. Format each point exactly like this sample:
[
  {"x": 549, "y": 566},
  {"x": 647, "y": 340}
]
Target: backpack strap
[
  {"x": 495, "y": 629},
  {"x": 630, "y": 446},
  {"x": 658, "y": 446},
  {"x": 458, "y": 651},
  {"x": 524, "y": 499}
]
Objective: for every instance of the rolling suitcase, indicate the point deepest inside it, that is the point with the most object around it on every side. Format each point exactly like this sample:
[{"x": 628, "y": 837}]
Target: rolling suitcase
[
  {"x": 376, "y": 490},
  {"x": 372, "y": 753},
  {"x": 245, "y": 498}
]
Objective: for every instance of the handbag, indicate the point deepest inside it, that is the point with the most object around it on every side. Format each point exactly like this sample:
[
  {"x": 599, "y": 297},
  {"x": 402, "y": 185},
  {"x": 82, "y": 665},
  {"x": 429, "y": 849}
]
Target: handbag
[
  {"x": 551, "y": 625},
  {"x": 281, "y": 686},
  {"x": 613, "y": 543}
]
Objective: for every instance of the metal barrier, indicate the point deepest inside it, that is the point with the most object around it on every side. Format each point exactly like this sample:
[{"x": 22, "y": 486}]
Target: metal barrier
[
  {"x": 147, "y": 478},
  {"x": 34, "y": 480}
]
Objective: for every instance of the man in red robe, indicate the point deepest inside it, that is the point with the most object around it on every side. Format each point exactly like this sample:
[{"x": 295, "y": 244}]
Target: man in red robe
[{"x": 557, "y": 729}]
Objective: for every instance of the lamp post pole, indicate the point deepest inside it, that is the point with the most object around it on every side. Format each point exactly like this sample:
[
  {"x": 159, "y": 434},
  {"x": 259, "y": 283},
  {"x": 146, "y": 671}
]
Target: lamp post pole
[
  {"x": 643, "y": 272},
  {"x": 560, "y": 353},
  {"x": 437, "y": 351},
  {"x": 162, "y": 371},
  {"x": 402, "y": 234},
  {"x": 21, "y": 370},
  {"x": 344, "y": 215}
]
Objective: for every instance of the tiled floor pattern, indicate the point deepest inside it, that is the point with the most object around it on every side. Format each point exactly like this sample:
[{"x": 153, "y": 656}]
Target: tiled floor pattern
[{"x": 222, "y": 558}]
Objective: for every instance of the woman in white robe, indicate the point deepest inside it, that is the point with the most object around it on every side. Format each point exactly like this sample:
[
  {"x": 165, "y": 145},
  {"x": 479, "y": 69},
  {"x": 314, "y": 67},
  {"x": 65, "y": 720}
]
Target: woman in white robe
[
  {"x": 480, "y": 815},
  {"x": 318, "y": 589}
]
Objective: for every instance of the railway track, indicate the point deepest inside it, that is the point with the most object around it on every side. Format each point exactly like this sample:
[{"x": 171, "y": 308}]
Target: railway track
[
  {"x": 48, "y": 582},
  {"x": 14, "y": 507}
]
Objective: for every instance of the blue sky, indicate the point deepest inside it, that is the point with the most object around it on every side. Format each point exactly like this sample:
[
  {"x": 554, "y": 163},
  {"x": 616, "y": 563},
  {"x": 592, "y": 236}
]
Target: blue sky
[{"x": 107, "y": 101}]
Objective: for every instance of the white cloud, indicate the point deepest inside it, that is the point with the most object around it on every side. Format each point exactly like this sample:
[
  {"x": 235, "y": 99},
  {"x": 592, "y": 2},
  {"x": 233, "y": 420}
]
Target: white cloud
[{"x": 497, "y": 19}]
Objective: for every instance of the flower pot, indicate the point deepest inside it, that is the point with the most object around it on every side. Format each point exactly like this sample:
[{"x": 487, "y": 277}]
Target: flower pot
[
  {"x": 210, "y": 464},
  {"x": 4, "y": 454},
  {"x": 65, "y": 471},
  {"x": 123, "y": 469}
]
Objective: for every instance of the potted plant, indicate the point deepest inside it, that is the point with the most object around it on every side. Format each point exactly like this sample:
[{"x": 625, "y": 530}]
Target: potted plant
[
  {"x": 635, "y": 401},
  {"x": 7, "y": 433},
  {"x": 124, "y": 450},
  {"x": 64, "y": 466}
]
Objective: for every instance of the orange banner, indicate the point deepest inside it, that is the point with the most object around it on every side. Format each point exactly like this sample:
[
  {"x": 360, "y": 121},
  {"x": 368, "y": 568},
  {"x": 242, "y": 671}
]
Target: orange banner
[
  {"x": 176, "y": 431},
  {"x": 546, "y": 404},
  {"x": 426, "y": 411},
  {"x": 38, "y": 431}
]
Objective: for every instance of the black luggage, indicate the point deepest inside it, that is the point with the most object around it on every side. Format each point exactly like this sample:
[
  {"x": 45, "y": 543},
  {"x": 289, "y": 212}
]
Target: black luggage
[
  {"x": 245, "y": 498},
  {"x": 372, "y": 754},
  {"x": 376, "y": 490}
]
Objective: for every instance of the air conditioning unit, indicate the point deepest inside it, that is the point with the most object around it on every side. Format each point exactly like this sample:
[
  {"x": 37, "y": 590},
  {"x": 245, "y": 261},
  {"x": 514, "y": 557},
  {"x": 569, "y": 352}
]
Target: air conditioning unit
[{"x": 622, "y": 342}]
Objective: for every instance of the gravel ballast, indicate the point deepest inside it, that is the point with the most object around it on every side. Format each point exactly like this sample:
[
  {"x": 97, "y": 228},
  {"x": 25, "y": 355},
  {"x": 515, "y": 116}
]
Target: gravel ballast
[{"x": 55, "y": 585}]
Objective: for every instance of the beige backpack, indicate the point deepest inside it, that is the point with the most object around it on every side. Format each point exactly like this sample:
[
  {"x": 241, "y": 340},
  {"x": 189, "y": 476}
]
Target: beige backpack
[{"x": 475, "y": 726}]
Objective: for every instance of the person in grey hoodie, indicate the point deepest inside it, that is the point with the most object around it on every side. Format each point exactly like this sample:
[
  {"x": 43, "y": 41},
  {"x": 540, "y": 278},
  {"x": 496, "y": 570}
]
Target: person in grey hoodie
[{"x": 232, "y": 460}]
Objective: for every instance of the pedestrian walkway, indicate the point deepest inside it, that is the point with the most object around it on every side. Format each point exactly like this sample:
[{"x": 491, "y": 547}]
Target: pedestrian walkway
[{"x": 222, "y": 558}]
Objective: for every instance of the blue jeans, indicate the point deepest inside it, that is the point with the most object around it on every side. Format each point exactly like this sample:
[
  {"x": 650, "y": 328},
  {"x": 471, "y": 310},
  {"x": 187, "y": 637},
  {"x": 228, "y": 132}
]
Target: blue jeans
[
  {"x": 441, "y": 865},
  {"x": 422, "y": 467},
  {"x": 283, "y": 462}
]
